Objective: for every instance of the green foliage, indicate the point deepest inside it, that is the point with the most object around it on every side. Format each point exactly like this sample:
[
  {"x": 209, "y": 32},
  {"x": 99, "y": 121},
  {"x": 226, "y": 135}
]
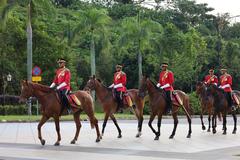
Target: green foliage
[{"x": 184, "y": 34}]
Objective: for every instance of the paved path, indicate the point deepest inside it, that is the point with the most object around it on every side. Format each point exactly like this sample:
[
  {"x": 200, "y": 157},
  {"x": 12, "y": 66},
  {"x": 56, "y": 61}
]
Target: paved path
[{"x": 19, "y": 141}]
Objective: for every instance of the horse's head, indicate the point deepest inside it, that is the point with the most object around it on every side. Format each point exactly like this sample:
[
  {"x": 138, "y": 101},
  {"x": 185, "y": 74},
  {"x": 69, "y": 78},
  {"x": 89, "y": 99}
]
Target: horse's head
[
  {"x": 26, "y": 91},
  {"x": 200, "y": 86},
  {"x": 143, "y": 86},
  {"x": 91, "y": 83}
]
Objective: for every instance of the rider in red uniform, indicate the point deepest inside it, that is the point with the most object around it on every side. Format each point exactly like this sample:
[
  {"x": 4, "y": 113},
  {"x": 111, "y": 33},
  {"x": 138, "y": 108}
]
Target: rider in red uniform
[
  {"x": 62, "y": 81},
  {"x": 225, "y": 84},
  {"x": 119, "y": 85},
  {"x": 211, "y": 78},
  {"x": 166, "y": 80}
]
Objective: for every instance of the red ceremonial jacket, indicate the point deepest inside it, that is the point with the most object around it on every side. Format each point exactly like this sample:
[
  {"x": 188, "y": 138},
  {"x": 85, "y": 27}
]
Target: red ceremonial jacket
[
  {"x": 226, "y": 79},
  {"x": 120, "y": 77},
  {"x": 211, "y": 79},
  {"x": 166, "y": 77},
  {"x": 63, "y": 75}
]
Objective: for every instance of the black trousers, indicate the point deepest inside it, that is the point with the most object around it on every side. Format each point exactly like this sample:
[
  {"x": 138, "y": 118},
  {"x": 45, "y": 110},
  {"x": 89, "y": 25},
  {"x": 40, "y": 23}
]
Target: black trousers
[
  {"x": 168, "y": 100},
  {"x": 229, "y": 98},
  {"x": 63, "y": 94},
  {"x": 119, "y": 98}
]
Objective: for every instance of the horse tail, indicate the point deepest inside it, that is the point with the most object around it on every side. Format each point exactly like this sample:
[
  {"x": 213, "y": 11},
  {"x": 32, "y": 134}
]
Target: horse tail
[
  {"x": 219, "y": 115},
  {"x": 188, "y": 108},
  {"x": 92, "y": 118}
]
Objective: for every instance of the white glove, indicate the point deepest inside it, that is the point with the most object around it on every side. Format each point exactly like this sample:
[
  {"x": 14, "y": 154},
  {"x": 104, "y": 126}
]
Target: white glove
[
  {"x": 118, "y": 85},
  {"x": 165, "y": 86},
  {"x": 220, "y": 87},
  {"x": 52, "y": 85},
  {"x": 158, "y": 85},
  {"x": 215, "y": 84},
  {"x": 225, "y": 86},
  {"x": 111, "y": 86},
  {"x": 61, "y": 85}
]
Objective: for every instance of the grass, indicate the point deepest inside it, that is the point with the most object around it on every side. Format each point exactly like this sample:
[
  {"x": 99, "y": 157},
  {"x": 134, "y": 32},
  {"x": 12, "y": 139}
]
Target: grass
[{"x": 35, "y": 118}]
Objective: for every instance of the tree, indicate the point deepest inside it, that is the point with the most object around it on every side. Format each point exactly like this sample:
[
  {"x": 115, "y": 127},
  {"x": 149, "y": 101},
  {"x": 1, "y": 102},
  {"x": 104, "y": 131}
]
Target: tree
[{"x": 138, "y": 33}]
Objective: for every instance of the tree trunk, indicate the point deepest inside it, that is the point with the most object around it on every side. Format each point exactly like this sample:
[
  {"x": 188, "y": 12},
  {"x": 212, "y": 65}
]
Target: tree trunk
[
  {"x": 29, "y": 51},
  {"x": 139, "y": 67},
  {"x": 93, "y": 61}
]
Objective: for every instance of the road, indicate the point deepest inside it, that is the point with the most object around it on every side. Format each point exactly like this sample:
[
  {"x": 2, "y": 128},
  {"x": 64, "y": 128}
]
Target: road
[{"x": 19, "y": 141}]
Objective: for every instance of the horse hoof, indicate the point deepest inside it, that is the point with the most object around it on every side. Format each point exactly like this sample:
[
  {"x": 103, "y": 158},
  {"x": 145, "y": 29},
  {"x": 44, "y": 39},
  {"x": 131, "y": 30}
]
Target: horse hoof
[
  {"x": 203, "y": 127},
  {"x": 138, "y": 135},
  {"x": 43, "y": 142},
  {"x": 234, "y": 132},
  {"x": 57, "y": 144},
  {"x": 189, "y": 136},
  {"x": 98, "y": 139},
  {"x": 214, "y": 131},
  {"x": 171, "y": 137},
  {"x": 209, "y": 130},
  {"x": 119, "y": 136},
  {"x": 73, "y": 142},
  {"x": 224, "y": 133},
  {"x": 156, "y": 138}
]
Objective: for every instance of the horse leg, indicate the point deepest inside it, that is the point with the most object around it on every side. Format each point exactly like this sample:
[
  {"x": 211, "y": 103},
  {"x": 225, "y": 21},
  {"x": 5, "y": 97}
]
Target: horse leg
[
  {"x": 56, "y": 120},
  {"x": 116, "y": 124},
  {"x": 94, "y": 123},
  {"x": 78, "y": 126},
  {"x": 40, "y": 124},
  {"x": 159, "y": 126},
  {"x": 235, "y": 122},
  {"x": 105, "y": 123},
  {"x": 224, "y": 124},
  {"x": 140, "y": 121},
  {"x": 201, "y": 117},
  {"x": 214, "y": 125},
  {"x": 150, "y": 123},
  {"x": 189, "y": 127},
  {"x": 209, "y": 123},
  {"x": 175, "y": 125}
]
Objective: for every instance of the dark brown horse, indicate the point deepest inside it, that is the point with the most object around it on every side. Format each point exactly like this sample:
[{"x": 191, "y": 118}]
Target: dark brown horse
[
  {"x": 206, "y": 102},
  {"x": 51, "y": 107},
  {"x": 221, "y": 106},
  {"x": 109, "y": 104},
  {"x": 158, "y": 106}
]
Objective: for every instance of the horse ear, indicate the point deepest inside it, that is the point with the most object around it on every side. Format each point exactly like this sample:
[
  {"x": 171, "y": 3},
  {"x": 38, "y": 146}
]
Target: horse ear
[{"x": 94, "y": 76}]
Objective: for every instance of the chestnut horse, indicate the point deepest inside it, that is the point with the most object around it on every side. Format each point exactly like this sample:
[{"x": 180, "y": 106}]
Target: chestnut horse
[
  {"x": 206, "y": 102},
  {"x": 221, "y": 106},
  {"x": 51, "y": 107},
  {"x": 158, "y": 106},
  {"x": 109, "y": 104}
]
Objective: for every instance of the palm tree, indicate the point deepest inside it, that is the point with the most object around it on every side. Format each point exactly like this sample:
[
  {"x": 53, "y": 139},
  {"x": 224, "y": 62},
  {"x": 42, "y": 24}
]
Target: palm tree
[
  {"x": 140, "y": 33},
  {"x": 94, "y": 22}
]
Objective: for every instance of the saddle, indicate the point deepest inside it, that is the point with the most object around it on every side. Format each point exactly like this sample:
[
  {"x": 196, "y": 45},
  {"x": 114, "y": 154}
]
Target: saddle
[
  {"x": 176, "y": 100},
  {"x": 72, "y": 102},
  {"x": 126, "y": 98}
]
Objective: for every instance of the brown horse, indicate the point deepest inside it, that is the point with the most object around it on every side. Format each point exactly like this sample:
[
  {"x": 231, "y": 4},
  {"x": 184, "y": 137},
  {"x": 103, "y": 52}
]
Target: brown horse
[
  {"x": 221, "y": 106},
  {"x": 158, "y": 106},
  {"x": 109, "y": 104},
  {"x": 51, "y": 107},
  {"x": 206, "y": 102}
]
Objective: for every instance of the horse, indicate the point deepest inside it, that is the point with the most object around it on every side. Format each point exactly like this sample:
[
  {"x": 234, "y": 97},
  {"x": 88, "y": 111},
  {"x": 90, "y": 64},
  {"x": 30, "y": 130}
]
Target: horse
[
  {"x": 157, "y": 100},
  {"x": 221, "y": 106},
  {"x": 206, "y": 103},
  {"x": 51, "y": 107},
  {"x": 109, "y": 104}
]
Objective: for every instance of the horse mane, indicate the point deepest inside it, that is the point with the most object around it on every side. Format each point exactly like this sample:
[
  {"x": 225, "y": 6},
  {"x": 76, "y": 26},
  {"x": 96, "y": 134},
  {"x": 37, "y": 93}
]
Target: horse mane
[
  {"x": 154, "y": 85},
  {"x": 109, "y": 89},
  {"x": 215, "y": 87},
  {"x": 40, "y": 87}
]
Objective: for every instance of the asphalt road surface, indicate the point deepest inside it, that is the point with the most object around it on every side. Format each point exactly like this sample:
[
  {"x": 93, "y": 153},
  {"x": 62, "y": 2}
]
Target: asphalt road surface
[{"x": 18, "y": 141}]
